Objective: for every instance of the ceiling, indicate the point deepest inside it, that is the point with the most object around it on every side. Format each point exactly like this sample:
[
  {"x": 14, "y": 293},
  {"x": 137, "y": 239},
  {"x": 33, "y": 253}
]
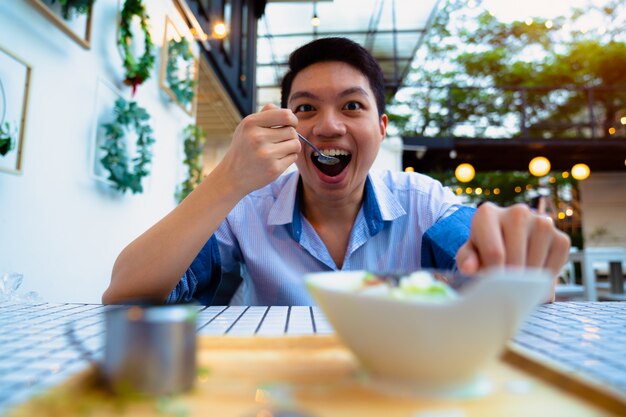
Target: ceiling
[{"x": 391, "y": 30}]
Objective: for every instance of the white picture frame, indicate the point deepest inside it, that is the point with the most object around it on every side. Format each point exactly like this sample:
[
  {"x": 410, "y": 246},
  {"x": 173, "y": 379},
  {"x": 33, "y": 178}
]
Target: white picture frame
[
  {"x": 78, "y": 28},
  {"x": 104, "y": 112},
  {"x": 170, "y": 33},
  {"x": 15, "y": 76}
]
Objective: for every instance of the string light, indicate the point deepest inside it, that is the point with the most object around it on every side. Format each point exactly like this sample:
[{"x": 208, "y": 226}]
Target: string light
[
  {"x": 529, "y": 21},
  {"x": 622, "y": 120},
  {"x": 539, "y": 166},
  {"x": 518, "y": 189},
  {"x": 409, "y": 169},
  {"x": 549, "y": 24},
  {"x": 464, "y": 172},
  {"x": 478, "y": 191},
  {"x": 580, "y": 171},
  {"x": 496, "y": 191},
  {"x": 565, "y": 174},
  {"x": 611, "y": 130}
]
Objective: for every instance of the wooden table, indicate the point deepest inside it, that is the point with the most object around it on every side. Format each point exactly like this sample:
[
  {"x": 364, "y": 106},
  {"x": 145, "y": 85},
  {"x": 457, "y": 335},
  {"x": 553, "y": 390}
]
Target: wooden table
[
  {"x": 316, "y": 375},
  {"x": 614, "y": 257}
]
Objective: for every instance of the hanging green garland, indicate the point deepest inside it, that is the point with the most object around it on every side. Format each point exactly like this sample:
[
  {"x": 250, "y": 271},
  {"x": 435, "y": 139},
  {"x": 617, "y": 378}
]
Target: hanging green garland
[
  {"x": 194, "y": 144},
  {"x": 136, "y": 71},
  {"x": 6, "y": 132},
  {"x": 127, "y": 115},
  {"x": 182, "y": 88},
  {"x": 6, "y": 138},
  {"x": 71, "y": 8}
]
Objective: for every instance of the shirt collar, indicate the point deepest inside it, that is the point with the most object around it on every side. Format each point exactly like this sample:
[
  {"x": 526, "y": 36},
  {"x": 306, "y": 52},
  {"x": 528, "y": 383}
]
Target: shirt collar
[{"x": 379, "y": 205}]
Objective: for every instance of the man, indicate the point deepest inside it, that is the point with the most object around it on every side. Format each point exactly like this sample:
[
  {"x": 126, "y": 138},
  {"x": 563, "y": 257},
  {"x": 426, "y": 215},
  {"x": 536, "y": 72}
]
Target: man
[{"x": 247, "y": 223}]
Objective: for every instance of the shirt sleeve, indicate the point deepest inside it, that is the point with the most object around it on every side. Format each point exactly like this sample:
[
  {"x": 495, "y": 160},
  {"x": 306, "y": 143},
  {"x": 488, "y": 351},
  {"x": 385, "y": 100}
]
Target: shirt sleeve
[
  {"x": 202, "y": 278},
  {"x": 444, "y": 238}
]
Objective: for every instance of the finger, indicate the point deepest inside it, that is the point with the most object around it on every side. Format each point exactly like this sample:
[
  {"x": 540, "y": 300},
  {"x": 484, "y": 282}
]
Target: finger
[
  {"x": 539, "y": 241},
  {"x": 559, "y": 252},
  {"x": 467, "y": 259},
  {"x": 287, "y": 147},
  {"x": 273, "y": 116},
  {"x": 515, "y": 231},
  {"x": 486, "y": 236},
  {"x": 269, "y": 106},
  {"x": 284, "y": 134}
]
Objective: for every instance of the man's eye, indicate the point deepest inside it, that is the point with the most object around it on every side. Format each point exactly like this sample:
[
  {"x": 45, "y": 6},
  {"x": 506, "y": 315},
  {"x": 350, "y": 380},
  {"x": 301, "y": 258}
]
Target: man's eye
[
  {"x": 303, "y": 108},
  {"x": 353, "y": 105}
]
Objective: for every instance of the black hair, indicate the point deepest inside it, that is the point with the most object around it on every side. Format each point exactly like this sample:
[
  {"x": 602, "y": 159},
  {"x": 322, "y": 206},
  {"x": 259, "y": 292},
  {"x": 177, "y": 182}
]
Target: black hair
[{"x": 335, "y": 49}]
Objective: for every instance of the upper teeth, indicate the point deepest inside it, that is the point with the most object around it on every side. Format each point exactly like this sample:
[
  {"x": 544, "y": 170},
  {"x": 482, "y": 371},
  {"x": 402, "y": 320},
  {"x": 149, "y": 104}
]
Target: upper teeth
[{"x": 333, "y": 152}]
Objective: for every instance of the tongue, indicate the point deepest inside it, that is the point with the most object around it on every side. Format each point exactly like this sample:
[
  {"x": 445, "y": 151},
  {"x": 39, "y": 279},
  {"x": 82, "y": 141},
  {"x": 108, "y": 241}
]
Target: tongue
[{"x": 332, "y": 170}]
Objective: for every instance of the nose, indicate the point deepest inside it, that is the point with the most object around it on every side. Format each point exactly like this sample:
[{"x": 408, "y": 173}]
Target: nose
[{"x": 329, "y": 124}]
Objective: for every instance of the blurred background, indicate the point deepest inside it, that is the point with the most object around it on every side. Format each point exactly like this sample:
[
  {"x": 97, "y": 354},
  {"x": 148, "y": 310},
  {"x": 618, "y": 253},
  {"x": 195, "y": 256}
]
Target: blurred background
[{"x": 111, "y": 111}]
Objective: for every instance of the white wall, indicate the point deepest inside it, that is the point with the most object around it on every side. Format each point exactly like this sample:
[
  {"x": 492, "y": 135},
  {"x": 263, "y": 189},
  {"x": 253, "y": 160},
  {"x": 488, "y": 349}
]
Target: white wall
[
  {"x": 59, "y": 226},
  {"x": 603, "y": 204}
]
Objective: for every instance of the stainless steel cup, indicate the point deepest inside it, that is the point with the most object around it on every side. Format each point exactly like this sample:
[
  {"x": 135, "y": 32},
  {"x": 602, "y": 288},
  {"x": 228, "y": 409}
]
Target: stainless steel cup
[{"x": 150, "y": 350}]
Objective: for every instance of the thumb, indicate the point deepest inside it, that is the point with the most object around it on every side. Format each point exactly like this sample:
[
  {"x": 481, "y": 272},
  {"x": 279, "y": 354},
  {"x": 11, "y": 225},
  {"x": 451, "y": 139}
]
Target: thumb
[
  {"x": 270, "y": 106},
  {"x": 467, "y": 259}
]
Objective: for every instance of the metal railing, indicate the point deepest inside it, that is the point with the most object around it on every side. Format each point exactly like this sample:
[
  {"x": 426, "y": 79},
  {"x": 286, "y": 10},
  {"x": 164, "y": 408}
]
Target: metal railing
[{"x": 519, "y": 112}]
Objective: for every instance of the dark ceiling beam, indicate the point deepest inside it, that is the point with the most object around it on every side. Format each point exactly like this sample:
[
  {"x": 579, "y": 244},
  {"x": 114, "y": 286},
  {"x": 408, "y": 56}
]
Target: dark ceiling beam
[
  {"x": 430, "y": 154},
  {"x": 388, "y": 85},
  {"x": 385, "y": 59},
  {"x": 341, "y": 33}
]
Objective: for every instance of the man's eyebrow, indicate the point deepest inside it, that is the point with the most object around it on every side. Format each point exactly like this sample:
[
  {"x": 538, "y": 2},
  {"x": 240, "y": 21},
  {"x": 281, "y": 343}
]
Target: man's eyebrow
[
  {"x": 353, "y": 90},
  {"x": 300, "y": 94},
  {"x": 347, "y": 92}
]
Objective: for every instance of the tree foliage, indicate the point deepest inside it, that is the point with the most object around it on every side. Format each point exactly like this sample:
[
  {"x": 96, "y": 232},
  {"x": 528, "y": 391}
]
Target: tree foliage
[
  {"x": 474, "y": 68},
  {"x": 480, "y": 77}
]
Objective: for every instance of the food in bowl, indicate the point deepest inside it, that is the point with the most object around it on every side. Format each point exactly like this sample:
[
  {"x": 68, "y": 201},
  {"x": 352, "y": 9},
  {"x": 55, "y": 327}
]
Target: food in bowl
[
  {"x": 418, "y": 286},
  {"x": 412, "y": 340}
]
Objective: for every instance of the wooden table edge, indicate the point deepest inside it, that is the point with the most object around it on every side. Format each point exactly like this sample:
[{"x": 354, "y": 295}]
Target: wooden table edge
[{"x": 594, "y": 393}]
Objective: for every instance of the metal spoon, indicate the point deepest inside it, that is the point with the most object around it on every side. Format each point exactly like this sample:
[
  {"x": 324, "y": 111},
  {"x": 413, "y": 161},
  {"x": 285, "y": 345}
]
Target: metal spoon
[{"x": 321, "y": 157}]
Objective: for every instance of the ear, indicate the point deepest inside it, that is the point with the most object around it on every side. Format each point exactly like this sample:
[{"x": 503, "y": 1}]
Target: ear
[{"x": 383, "y": 126}]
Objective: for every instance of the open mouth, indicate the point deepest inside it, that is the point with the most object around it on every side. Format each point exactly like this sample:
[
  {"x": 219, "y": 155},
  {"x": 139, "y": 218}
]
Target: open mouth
[{"x": 332, "y": 170}]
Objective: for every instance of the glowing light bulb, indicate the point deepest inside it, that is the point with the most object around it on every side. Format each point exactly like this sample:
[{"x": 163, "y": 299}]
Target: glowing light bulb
[
  {"x": 580, "y": 171},
  {"x": 464, "y": 172},
  {"x": 219, "y": 30},
  {"x": 539, "y": 166}
]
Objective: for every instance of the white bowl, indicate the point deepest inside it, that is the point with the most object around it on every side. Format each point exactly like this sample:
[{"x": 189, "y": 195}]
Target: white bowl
[{"x": 430, "y": 344}]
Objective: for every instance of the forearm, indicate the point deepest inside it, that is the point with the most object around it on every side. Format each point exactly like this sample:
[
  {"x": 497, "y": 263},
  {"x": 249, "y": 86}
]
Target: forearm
[{"x": 151, "y": 266}]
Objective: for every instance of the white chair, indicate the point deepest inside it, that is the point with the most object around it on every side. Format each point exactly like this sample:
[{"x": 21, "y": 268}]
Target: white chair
[{"x": 566, "y": 287}]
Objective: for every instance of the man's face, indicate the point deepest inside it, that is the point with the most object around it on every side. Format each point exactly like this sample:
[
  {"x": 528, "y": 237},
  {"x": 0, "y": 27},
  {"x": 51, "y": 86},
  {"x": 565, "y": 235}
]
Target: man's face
[{"x": 337, "y": 111}]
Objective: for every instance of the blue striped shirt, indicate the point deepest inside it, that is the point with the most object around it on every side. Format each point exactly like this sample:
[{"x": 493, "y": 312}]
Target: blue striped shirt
[{"x": 406, "y": 221}]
